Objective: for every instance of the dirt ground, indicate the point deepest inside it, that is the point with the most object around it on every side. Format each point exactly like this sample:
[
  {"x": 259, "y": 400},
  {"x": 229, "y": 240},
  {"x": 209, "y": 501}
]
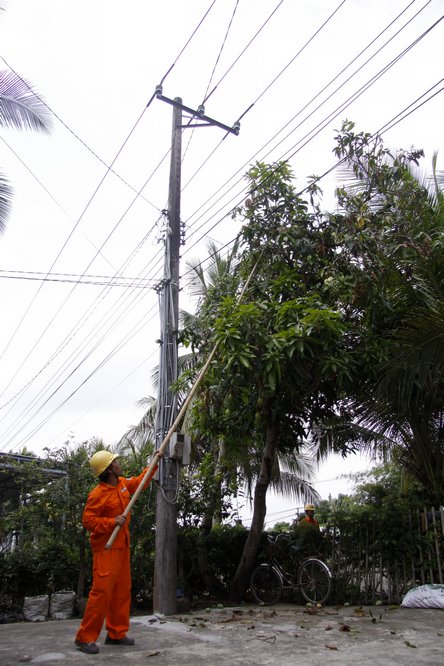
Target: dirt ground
[{"x": 246, "y": 635}]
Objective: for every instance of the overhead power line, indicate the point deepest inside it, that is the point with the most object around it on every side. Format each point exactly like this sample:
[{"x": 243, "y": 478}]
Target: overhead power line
[
  {"x": 108, "y": 167},
  {"x": 114, "y": 351},
  {"x": 212, "y": 74},
  {"x": 220, "y": 51},
  {"x": 121, "y": 281},
  {"x": 309, "y": 136},
  {"x": 263, "y": 157},
  {"x": 23, "y": 441},
  {"x": 74, "y": 332},
  {"x": 399, "y": 117},
  {"x": 51, "y": 196},
  {"x": 37, "y": 428},
  {"x": 257, "y": 33},
  {"x": 284, "y": 69},
  {"x": 102, "y": 398},
  {"x": 74, "y": 287},
  {"x": 67, "y": 241},
  {"x": 402, "y": 115},
  {"x": 392, "y": 119},
  {"x": 410, "y": 105},
  {"x": 268, "y": 87},
  {"x": 187, "y": 43}
]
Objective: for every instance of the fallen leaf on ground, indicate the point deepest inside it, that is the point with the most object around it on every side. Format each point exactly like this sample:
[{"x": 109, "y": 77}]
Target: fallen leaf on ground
[
  {"x": 233, "y": 618},
  {"x": 312, "y": 611},
  {"x": 409, "y": 644},
  {"x": 344, "y": 627},
  {"x": 331, "y": 647},
  {"x": 267, "y": 639}
]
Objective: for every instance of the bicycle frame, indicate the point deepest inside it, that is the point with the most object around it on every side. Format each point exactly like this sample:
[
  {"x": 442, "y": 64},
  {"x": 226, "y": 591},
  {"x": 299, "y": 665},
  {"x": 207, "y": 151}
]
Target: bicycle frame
[{"x": 312, "y": 576}]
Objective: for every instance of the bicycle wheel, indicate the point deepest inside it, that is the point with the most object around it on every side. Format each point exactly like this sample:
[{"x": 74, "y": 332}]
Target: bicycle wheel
[
  {"x": 314, "y": 580},
  {"x": 266, "y": 584}
]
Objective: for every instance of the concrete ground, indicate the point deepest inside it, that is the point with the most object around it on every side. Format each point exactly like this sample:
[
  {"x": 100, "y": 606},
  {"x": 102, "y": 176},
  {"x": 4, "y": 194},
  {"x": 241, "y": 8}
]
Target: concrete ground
[{"x": 246, "y": 635}]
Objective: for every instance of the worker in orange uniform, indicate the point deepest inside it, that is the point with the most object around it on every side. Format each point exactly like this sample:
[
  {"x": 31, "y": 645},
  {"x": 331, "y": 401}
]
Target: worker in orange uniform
[
  {"x": 110, "y": 595},
  {"x": 309, "y": 518},
  {"x": 308, "y": 532}
]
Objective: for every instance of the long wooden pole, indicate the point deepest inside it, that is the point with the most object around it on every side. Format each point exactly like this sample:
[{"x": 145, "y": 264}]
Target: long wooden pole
[{"x": 177, "y": 421}]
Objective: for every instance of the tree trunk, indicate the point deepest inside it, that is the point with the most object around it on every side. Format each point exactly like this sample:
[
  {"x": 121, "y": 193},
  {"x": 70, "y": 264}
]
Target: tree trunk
[
  {"x": 217, "y": 486},
  {"x": 248, "y": 558}
]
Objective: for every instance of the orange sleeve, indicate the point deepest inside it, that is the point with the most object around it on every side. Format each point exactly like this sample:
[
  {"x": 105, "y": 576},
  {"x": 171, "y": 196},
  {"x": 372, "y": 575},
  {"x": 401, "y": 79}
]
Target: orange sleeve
[
  {"x": 135, "y": 481},
  {"x": 93, "y": 519}
]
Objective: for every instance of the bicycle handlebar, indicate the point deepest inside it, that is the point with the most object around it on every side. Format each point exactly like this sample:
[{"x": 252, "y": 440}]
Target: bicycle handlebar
[{"x": 271, "y": 538}]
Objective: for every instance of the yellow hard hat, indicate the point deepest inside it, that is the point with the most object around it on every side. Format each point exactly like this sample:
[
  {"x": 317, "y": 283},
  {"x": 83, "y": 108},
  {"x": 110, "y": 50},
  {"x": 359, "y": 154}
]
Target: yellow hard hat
[
  {"x": 101, "y": 460},
  {"x": 309, "y": 507}
]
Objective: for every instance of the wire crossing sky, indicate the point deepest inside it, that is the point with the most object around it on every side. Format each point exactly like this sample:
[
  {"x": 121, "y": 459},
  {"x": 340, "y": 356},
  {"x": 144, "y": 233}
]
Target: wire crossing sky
[{"x": 83, "y": 249}]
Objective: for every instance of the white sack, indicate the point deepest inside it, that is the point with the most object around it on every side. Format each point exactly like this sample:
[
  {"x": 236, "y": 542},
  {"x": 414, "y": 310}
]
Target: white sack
[
  {"x": 35, "y": 609},
  {"x": 425, "y": 596},
  {"x": 61, "y": 605}
]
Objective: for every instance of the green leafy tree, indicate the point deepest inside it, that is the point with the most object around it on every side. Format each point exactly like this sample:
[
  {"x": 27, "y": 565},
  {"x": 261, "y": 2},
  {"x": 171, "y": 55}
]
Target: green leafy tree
[
  {"x": 280, "y": 359},
  {"x": 50, "y": 505}
]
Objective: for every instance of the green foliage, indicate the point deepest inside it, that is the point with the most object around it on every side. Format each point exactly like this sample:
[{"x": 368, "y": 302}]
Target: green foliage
[
  {"x": 309, "y": 538},
  {"x": 379, "y": 530},
  {"x": 224, "y": 546},
  {"x": 338, "y": 341},
  {"x": 281, "y": 528},
  {"x": 50, "y": 550},
  {"x": 197, "y": 492},
  {"x": 46, "y": 568}
]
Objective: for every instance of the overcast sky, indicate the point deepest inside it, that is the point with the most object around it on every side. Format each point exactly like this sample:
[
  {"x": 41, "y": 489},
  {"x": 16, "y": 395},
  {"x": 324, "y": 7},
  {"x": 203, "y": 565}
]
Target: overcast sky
[{"x": 75, "y": 357}]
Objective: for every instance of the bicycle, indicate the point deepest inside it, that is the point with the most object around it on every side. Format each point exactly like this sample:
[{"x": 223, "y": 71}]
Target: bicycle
[{"x": 312, "y": 577}]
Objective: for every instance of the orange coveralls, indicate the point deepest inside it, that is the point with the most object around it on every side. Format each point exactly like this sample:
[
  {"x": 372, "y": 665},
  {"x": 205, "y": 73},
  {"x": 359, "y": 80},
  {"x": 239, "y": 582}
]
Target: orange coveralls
[
  {"x": 110, "y": 595},
  {"x": 309, "y": 521}
]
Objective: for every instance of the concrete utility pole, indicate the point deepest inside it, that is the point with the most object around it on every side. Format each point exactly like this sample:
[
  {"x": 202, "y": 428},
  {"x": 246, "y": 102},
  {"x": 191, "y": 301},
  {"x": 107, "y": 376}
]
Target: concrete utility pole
[
  {"x": 165, "y": 567},
  {"x": 165, "y": 562}
]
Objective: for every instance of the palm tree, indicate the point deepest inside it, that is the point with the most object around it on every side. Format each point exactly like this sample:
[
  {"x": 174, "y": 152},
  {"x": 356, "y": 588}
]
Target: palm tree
[
  {"x": 139, "y": 440},
  {"x": 398, "y": 409},
  {"x": 406, "y": 406},
  {"x": 23, "y": 109}
]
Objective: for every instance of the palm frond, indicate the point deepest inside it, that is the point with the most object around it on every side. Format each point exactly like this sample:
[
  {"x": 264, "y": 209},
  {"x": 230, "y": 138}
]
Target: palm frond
[
  {"x": 295, "y": 488},
  {"x": 143, "y": 434},
  {"x": 20, "y": 106},
  {"x": 5, "y": 202}
]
